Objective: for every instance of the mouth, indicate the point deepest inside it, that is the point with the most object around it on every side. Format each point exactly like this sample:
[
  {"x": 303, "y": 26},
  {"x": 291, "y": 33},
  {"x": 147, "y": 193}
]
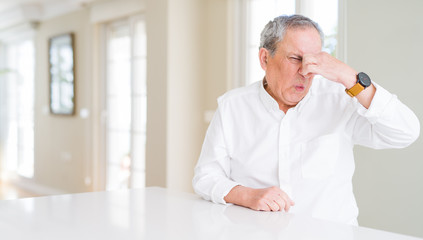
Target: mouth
[{"x": 299, "y": 88}]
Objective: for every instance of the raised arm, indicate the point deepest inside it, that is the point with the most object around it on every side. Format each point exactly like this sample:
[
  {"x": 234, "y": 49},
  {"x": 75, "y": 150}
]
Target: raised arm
[{"x": 383, "y": 121}]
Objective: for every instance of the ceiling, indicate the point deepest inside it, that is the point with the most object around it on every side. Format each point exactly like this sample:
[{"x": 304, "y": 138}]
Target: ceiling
[
  {"x": 12, "y": 4},
  {"x": 13, "y": 12}
]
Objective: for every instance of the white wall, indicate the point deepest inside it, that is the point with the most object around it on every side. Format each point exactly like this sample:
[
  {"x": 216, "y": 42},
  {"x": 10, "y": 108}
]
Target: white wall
[
  {"x": 62, "y": 143},
  {"x": 216, "y": 51},
  {"x": 385, "y": 40},
  {"x": 187, "y": 59},
  {"x": 157, "y": 74},
  {"x": 185, "y": 90},
  {"x": 175, "y": 82}
]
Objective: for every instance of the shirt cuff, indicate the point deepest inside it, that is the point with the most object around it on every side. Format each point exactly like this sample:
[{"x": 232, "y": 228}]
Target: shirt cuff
[
  {"x": 381, "y": 100},
  {"x": 222, "y": 189}
]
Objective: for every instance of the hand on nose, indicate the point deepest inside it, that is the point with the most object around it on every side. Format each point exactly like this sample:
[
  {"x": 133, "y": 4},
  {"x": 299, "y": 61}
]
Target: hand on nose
[
  {"x": 309, "y": 66},
  {"x": 305, "y": 74}
]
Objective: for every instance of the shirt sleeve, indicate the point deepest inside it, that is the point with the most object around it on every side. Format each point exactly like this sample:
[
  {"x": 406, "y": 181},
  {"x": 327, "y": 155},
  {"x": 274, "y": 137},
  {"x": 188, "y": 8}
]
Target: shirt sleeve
[
  {"x": 387, "y": 123},
  {"x": 211, "y": 178}
]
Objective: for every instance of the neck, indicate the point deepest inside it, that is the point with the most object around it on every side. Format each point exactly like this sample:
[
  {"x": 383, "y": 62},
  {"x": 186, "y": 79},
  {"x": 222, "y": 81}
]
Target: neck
[{"x": 282, "y": 106}]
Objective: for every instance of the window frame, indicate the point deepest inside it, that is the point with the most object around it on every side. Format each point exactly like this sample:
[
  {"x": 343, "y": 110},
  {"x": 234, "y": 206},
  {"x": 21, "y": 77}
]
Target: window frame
[
  {"x": 102, "y": 168},
  {"x": 11, "y": 40}
]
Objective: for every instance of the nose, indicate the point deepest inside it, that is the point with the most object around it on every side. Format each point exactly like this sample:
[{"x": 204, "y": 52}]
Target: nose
[
  {"x": 306, "y": 75},
  {"x": 301, "y": 72}
]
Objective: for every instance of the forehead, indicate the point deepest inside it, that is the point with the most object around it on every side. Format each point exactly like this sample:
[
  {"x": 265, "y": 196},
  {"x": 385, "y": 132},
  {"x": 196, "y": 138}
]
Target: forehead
[{"x": 301, "y": 41}]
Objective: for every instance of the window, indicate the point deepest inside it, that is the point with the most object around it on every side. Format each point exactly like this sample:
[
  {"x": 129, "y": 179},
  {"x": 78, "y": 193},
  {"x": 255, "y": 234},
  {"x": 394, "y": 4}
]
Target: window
[
  {"x": 255, "y": 14},
  {"x": 325, "y": 13},
  {"x": 126, "y": 103},
  {"x": 17, "y": 108}
]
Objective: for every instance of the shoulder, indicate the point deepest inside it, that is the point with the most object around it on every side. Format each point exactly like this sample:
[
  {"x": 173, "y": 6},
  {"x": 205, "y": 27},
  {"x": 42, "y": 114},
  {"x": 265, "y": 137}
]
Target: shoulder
[
  {"x": 324, "y": 92},
  {"x": 240, "y": 94},
  {"x": 322, "y": 86}
]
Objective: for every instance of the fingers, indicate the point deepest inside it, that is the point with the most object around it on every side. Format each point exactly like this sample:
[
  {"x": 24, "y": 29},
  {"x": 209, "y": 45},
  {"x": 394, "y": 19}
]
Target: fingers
[
  {"x": 274, "y": 199},
  {"x": 273, "y": 206},
  {"x": 321, "y": 63},
  {"x": 327, "y": 66},
  {"x": 280, "y": 204},
  {"x": 287, "y": 202},
  {"x": 283, "y": 200},
  {"x": 309, "y": 66},
  {"x": 309, "y": 72},
  {"x": 267, "y": 199}
]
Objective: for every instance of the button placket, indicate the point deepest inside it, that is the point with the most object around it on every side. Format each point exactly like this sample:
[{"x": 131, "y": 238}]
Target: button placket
[{"x": 284, "y": 163}]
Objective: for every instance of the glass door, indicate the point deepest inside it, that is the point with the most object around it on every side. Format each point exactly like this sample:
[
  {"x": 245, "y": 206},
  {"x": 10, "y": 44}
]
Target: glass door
[
  {"x": 126, "y": 98},
  {"x": 17, "y": 108}
]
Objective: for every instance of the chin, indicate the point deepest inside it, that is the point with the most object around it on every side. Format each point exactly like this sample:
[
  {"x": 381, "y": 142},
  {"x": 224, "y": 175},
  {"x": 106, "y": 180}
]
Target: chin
[{"x": 298, "y": 97}]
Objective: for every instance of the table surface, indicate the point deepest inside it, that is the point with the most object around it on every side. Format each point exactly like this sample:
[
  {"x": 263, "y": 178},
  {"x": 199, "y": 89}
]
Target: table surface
[{"x": 158, "y": 213}]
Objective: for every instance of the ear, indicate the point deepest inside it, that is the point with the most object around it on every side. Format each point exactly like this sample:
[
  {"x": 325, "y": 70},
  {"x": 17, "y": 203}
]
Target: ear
[{"x": 263, "y": 57}]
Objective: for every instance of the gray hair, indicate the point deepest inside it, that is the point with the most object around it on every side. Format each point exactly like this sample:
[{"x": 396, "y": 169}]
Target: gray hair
[{"x": 275, "y": 30}]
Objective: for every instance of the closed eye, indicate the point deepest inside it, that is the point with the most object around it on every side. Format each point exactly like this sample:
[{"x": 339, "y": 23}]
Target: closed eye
[{"x": 296, "y": 59}]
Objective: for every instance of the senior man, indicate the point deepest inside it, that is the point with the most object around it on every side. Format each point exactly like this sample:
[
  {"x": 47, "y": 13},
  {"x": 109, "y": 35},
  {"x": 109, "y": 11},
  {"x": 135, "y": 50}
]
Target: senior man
[{"x": 286, "y": 142}]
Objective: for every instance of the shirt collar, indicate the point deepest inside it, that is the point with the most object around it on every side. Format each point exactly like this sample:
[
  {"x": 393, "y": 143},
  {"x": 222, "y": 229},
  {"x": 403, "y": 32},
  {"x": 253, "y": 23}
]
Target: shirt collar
[
  {"x": 269, "y": 103},
  {"x": 272, "y": 105}
]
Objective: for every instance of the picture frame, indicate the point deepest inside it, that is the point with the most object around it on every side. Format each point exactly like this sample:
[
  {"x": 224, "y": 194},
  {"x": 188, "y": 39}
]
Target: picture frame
[{"x": 61, "y": 52}]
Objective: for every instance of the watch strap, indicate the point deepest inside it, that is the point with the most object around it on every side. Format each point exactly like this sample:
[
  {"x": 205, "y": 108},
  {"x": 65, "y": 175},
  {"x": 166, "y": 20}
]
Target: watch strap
[{"x": 355, "y": 90}]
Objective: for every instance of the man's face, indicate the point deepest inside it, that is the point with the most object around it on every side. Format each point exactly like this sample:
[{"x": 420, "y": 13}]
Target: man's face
[{"x": 284, "y": 81}]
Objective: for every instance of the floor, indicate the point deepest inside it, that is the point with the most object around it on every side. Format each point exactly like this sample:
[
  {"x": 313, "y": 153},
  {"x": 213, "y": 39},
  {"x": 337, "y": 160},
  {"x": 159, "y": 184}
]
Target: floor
[{"x": 9, "y": 191}]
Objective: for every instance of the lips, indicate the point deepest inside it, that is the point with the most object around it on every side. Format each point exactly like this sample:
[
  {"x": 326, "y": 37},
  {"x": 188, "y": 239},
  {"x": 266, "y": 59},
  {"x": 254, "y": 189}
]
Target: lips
[{"x": 299, "y": 88}]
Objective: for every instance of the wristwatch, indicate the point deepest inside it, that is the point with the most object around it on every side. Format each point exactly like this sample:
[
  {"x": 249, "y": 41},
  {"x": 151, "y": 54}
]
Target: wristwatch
[{"x": 363, "y": 81}]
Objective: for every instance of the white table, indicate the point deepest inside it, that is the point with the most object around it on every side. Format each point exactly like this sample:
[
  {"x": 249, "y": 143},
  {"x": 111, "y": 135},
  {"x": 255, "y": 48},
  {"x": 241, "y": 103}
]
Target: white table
[{"x": 157, "y": 213}]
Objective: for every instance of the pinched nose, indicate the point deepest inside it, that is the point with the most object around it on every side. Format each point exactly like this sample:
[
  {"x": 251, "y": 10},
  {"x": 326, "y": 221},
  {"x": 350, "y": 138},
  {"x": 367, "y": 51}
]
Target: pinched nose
[
  {"x": 306, "y": 74},
  {"x": 307, "y": 77}
]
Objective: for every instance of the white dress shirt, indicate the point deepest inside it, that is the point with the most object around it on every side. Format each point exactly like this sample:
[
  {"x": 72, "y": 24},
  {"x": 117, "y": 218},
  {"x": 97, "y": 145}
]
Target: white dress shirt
[{"x": 307, "y": 152}]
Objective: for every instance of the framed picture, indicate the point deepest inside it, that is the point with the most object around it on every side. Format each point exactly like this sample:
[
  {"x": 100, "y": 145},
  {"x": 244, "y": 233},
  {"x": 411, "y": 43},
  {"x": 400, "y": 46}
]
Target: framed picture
[{"x": 62, "y": 74}]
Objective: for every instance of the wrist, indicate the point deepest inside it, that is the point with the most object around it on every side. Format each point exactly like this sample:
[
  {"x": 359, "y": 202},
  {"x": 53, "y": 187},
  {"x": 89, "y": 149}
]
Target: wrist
[
  {"x": 363, "y": 81},
  {"x": 350, "y": 79},
  {"x": 240, "y": 195},
  {"x": 236, "y": 196},
  {"x": 244, "y": 195}
]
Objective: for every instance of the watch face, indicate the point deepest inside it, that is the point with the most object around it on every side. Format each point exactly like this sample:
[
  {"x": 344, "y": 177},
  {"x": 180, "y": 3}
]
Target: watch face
[{"x": 364, "y": 79}]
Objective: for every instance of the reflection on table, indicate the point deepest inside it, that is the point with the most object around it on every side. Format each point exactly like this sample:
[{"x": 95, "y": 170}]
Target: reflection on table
[{"x": 157, "y": 213}]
